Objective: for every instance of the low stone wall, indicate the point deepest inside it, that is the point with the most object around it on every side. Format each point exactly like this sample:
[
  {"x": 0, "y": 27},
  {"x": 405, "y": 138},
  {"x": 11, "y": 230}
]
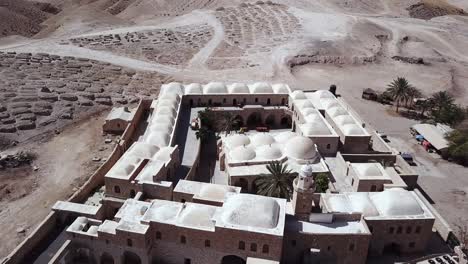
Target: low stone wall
[
  {"x": 61, "y": 253},
  {"x": 32, "y": 241}
]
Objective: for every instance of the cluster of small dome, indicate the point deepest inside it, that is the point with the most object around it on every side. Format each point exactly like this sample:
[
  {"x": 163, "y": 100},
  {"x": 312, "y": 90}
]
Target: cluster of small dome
[
  {"x": 235, "y": 88},
  {"x": 164, "y": 117},
  {"x": 264, "y": 146}
]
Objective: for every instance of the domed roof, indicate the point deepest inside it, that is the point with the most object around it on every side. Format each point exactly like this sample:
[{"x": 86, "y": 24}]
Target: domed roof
[
  {"x": 159, "y": 119},
  {"x": 143, "y": 150},
  {"x": 196, "y": 215},
  {"x": 337, "y": 111},
  {"x": 237, "y": 140},
  {"x": 300, "y": 147},
  {"x": 315, "y": 128},
  {"x": 284, "y": 136},
  {"x": 164, "y": 154},
  {"x": 173, "y": 87},
  {"x": 305, "y": 104},
  {"x": 164, "y": 127},
  {"x": 158, "y": 138},
  {"x": 396, "y": 202},
  {"x": 307, "y": 170},
  {"x": 242, "y": 153},
  {"x": 352, "y": 129},
  {"x": 261, "y": 87},
  {"x": 329, "y": 103},
  {"x": 360, "y": 202},
  {"x": 215, "y": 88},
  {"x": 280, "y": 88},
  {"x": 314, "y": 117},
  {"x": 168, "y": 111},
  {"x": 268, "y": 152},
  {"x": 167, "y": 102},
  {"x": 213, "y": 191},
  {"x": 193, "y": 88},
  {"x": 298, "y": 95},
  {"x": 170, "y": 96},
  {"x": 261, "y": 139},
  {"x": 368, "y": 169},
  {"x": 238, "y": 88},
  {"x": 251, "y": 210},
  {"x": 308, "y": 111},
  {"x": 324, "y": 94},
  {"x": 344, "y": 120}
]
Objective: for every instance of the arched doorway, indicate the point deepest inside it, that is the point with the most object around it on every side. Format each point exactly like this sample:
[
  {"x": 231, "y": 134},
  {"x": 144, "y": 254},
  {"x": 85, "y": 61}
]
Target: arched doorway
[
  {"x": 231, "y": 259},
  {"x": 83, "y": 255},
  {"x": 106, "y": 258},
  {"x": 239, "y": 122},
  {"x": 270, "y": 121},
  {"x": 244, "y": 184},
  {"x": 254, "y": 119},
  {"x": 286, "y": 122},
  {"x": 131, "y": 258}
]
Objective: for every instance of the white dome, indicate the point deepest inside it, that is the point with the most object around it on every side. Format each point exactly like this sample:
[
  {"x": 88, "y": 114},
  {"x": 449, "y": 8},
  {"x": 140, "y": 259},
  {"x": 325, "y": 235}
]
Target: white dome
[
  {"x": 167, "y": 102},
  {"x": 242, "y": 153},
  {"x": 168, "y": 111},
  {"x": 158, "y": 138},
  {"x": 164, "y": 127},
  {"x": 251, "y": 210},
  {"x": 324, "y": 94},
  {"x": 285, "y": 136},
  {"x": 261, "y": 87},
  {"x": 214, "y": 191},
  {"x": 268, "y": 152},
  {"x": 169, "y": 96},
  {"x": 280, "y": 88},
  {"x": 262, "y": 139},
  {"x": 308, "y": 111},
  {"x": 329, "y": 103},
  {"x": 360, "y": 202},
  {"x": 193, "y": 88},
  {"x": 237, "y": 140},
  {"x": 313, "y": 118},
  {"x": 337, "y": 111},
  {"x": 307, "y": 170},
  {"x": 352, "y": 129},
  {"x": 173, "y": 87},
  {"x": 344, "y": 120},
  {"x": 300, "y": 147},
  {"x": 164, "y": 154},
  {"x": 143, "y": 150},
  {"x": 305, "y": 104},
  {"x": 159, "y": 119},
  {"x": 298, "y": 95},
  {"x": 396, "y": 202},
  {"x": 215, "y": 88},
  {"x": 238, "y": 88},
  {"x": 368, "y": 169},
  {"x": 318, "y": 128},
  {"x": 197, "y": 216}
]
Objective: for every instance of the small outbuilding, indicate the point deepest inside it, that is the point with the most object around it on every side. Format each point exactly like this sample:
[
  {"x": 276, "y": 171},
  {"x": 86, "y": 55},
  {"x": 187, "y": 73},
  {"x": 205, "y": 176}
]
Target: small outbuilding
[
  {"x": 369, "y": 94},
  {"x": 117, "y": 120},
  {"x": 432, "y": 136}
]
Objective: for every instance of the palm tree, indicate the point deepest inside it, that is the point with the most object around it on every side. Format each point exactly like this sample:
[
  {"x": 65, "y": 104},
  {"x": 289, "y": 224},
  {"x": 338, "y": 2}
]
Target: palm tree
[
  {"x": 228, "y": 122},
  {"x": 398, "y": 90},
  {"x": 279, "y": 183},
  {"x": 442, "y": 99},
  {"x": 426, "y": 105}
]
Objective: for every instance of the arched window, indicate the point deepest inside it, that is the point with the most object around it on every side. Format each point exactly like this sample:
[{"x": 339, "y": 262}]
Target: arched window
[
  {"x": 191, "y": 102},
  {"x": 241, "y": 245},
  {"x": 328, "y": 146},
  {"x": 418, "y": 229},
  {"x": 158, "y": 235},
  {"x": 256, "y": 100},
  {"x": 283, "y": 101},
  {"x": 234, "y": 101},
  {"x": 183, "y": 240},
  {"x": 351, "y": 247},
  {"x": 210, "y": 102},
  {"x": 253, "y": 247},
  {"x": 268, "y": 101},
  {"x": 399, "y": 230},
  {"x": 224, "y": 100},
  {"x": 129, "y": 242},
  {"x": 132, "y": 193},
  {"x": 207, "y": 243},
  {"x": 116, "y": 189},
  {"x": 265, "y": 249},
  {"x": 408, "y": 230}
]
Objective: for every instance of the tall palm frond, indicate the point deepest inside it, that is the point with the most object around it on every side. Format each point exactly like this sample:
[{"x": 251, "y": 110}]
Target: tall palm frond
[{"x": 279, "y": 183}]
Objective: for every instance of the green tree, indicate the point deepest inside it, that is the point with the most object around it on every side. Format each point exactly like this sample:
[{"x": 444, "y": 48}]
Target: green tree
[
  {"x": 412, "y": 93},
  {"x": 450, "y": 114},
  {"x": 425, "y": 105},
  {"x": 441, "y": 99},
  {"x": 278, "y": 183},
  {"x": 458, "y": 145},
  {"x": 321, "y": 183},
  {"x": 228, "y": 122},
  {"x": 398, "y": 90}
]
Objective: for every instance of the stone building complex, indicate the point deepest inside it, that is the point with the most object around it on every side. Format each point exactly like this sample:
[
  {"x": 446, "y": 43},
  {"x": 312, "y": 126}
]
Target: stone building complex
[{"x": 171, "y": 199}]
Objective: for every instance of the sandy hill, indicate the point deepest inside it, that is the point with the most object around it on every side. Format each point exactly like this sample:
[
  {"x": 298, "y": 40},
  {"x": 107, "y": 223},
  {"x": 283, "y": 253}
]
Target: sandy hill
[{"x": 428, "y": 9}]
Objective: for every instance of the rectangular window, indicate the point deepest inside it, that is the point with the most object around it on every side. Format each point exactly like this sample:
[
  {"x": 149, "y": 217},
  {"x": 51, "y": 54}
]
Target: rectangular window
[
  {"x": 253, "y": 247},
  {"x": 408, "y": 230},
  {"x": 158, "y": 235},
  {"x": 187, "y": 261},
  {"x": 183, "y": 240},
  {"x": 293, "y": 243},
  {"x": 241, "y": 245},
  {"x": 391, "y": 230},
  {"x": 412, "y": 244},
  {"x": 351, "y": 247},
  {"x": 265, "y": 249},
  {"x": 207, "y": 243},
  {"x": 418, "y": 229},
  {"x": 399, "y": 230}
]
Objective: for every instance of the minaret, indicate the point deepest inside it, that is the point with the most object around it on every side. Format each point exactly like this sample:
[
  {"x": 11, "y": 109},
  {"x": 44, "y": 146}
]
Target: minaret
[{"x": 304, "y": 188}]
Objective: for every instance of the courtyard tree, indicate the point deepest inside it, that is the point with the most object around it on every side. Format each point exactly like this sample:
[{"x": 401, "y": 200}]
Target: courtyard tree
[
  {"x": 228, "y": 122},
  {"x": 278, "y": 183},
  {"x": 321, "y": 183},
  {"x": 398, "y": 89}
]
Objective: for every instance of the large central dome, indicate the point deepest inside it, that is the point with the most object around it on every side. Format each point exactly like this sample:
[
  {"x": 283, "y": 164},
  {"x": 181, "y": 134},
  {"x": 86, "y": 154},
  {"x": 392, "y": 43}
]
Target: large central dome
[{"x": 300, "y": 147}]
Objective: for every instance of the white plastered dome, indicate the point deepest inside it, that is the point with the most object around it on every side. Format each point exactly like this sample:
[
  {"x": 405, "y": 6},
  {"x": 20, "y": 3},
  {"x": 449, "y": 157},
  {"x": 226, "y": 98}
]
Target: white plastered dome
[
  {"x": 315, "y": 128},
  {"x": 344, "y": 120},
  {"x": 172, "y": 88},
  {"x": 300, "y": 147},
  {"x": 215, "y": 88},
  {"x": 215, "y": 192},
  {"x": 280, "y": 88},
  {"x": 237, "y": 140},
  {"x": 298, "y": 95},
  {"x": 158, "y": 138},
  {"x": 352, "y": 129},
  {"x": 396, "y": 202},
  {"x": 337, "y": 111},
  {"x": 268, "y": 152},
  {"x": 242, "y": 153},
  {"x": 284, "y": 136},
  {"x": 324, "y": 94},
  {"x": 193, "y": 88},
  {"x": 262, "y": 139},
  {"x": 238, "y": 88},
  {"x": 261, "y": 87}
]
